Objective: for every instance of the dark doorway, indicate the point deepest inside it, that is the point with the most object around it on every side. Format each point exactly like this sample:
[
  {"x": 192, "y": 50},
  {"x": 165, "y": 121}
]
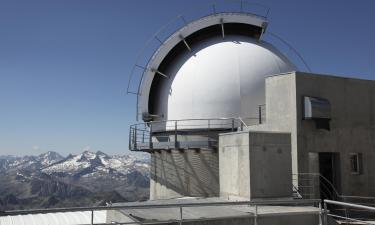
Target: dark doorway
[{"x": 329, "y": 169}]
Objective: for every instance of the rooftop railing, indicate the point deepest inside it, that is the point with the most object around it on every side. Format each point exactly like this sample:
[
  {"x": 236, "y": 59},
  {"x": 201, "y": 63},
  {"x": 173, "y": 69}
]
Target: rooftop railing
[
  {"x": 167, "y": 134},
  {"x": 348, "y": 213},
  {"x": 178, "y": 208}
]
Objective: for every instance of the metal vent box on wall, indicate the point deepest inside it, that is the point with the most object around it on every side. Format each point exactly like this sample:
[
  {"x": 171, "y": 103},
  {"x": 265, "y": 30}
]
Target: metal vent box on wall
[{"x": 316, "y": 108}]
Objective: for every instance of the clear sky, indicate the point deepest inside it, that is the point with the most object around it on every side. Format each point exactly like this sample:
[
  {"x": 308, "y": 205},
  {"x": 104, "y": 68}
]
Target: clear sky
[{"x": 64, "y": 65}]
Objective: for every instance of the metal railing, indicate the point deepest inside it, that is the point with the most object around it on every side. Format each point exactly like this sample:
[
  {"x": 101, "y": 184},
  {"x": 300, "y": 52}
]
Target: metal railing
[
  {"x": 313, "y": 185},
  {"x": 179, "y": 207},
  {"x": 341, "y": 211},
  {"x": 330, "y": 210},
  {"x": 166, "y": 134}
]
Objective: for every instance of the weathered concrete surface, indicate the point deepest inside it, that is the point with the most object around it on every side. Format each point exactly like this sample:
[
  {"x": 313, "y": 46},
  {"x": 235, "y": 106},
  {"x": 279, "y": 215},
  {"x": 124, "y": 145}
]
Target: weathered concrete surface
[
  {"x": 179, "y": 173},
  {"x": 255, "y": 165}
]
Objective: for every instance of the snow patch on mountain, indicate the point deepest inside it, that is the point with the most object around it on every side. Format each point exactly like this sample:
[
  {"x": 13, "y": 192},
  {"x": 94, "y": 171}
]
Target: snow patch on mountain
[{"x": 88, "y": 164}]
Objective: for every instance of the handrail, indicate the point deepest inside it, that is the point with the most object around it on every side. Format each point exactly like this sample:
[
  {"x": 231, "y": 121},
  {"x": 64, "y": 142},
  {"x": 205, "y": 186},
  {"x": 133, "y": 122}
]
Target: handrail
[
  {"x": 146, "y": 136},
  {"x": 195, "y": 119},
  {"x": 166, "y": 205},
  {"x": 351, "y": 205},
  {"x": 334, "y": 190},
  {"x": 240, "y": 119},
  {"x": 327, "y": 212},
  {"x": 325, "y": 179}
]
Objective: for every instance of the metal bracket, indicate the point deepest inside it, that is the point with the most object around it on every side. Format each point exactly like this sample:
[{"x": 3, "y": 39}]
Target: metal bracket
[
  {"x": 222, "y": 27},
  {"x": 186, "y": 44},
  {"x": 158, "y": 72}
]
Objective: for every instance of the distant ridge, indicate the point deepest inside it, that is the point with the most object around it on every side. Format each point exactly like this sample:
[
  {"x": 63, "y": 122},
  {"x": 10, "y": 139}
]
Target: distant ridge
[{"x": 51, "y": 180}]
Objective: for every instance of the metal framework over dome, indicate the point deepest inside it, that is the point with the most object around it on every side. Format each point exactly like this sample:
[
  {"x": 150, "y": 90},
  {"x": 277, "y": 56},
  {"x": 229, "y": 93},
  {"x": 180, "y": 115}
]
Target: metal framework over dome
[{"x": 213, "y": 67}]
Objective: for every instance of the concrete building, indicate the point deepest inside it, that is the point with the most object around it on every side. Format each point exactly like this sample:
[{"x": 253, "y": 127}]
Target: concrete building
[{"x": 338, "y": 145}]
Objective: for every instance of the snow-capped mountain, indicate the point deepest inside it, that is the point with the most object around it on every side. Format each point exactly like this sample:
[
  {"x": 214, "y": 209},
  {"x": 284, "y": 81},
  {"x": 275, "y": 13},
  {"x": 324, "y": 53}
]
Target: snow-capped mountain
[
  {"x": 49, "y": 158},
  {"x": 86, "y": 164},
  {"x": 29, "y": 162},
  {"x": 50, "y": 179},
  {"x": 98, "y": 163}
]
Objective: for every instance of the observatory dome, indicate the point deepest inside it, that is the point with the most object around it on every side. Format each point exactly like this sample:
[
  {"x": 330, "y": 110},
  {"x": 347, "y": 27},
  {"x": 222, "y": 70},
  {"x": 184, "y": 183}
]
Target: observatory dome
[{"x": 218, "y": 78}]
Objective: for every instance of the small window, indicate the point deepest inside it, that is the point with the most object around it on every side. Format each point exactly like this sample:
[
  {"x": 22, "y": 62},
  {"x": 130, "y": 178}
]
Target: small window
[{"x": 355, "y": 163}]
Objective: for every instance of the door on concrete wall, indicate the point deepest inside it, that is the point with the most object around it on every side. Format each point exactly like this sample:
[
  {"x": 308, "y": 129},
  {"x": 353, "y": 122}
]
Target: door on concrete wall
[{"x": 329, "y": 169}]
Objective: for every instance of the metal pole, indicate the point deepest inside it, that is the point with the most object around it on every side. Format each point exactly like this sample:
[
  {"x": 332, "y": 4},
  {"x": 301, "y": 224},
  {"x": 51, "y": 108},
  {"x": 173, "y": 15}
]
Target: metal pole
[
  {"x": 232, "y": 125},
  {"x": 180, "y": 216},
  {"x": 130, "y": 138},
  {"x": 175, "y": 134},
  {"x": 150, "y": 137},
  {"x": 325, "y": 213},
  {"x": 320, "y": 214},
  {"x": 92, "y": 217},
  {"x": 260, "y": 114},
  {"x": 256, "y": 215},
  {"x": 135, "y": 137},
  {"x": 346, "y": 216}
]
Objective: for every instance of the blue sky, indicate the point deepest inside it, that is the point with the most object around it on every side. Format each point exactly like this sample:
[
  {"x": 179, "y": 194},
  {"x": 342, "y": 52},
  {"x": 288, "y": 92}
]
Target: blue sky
[{"x": 64, "y": 65}]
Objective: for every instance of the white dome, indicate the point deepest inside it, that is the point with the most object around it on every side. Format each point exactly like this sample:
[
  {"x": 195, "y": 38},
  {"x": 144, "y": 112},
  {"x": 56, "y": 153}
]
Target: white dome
[{"x": 219, "y": 78}]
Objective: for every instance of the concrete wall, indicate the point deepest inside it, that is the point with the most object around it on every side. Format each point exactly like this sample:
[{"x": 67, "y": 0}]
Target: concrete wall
[
  {"x": 234, "y": 161},
  {"x": 281, "y": 110},
  {"x": 178, "y": 173},
  {"x": 352, "y": 128},
  {"x": 255, "y": 165}
]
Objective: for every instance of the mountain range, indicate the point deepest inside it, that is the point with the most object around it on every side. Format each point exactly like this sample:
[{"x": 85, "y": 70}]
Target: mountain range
[{"x": 90, "y": 178}]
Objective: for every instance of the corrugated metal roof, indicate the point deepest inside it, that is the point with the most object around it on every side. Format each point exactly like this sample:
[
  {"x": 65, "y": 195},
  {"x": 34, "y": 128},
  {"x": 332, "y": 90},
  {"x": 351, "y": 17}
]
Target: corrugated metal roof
[{"x": 64, "y": 218}]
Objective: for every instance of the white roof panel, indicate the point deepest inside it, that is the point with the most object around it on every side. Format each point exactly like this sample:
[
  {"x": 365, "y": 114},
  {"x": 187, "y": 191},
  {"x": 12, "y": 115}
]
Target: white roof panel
[{"x": 63, "y": 218}]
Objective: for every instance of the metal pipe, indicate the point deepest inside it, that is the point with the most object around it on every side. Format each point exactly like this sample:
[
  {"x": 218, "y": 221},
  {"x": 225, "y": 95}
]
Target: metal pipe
[
  {"x": 92, "y": 217},
  {"x": 256, "y": 215},
  {"x": 351, "y": 219},
  {"x": 349, "y": 205}
]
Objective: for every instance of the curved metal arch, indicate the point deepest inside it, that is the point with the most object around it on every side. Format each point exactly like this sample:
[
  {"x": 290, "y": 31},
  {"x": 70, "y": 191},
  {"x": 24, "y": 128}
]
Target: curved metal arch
[{"x": 175, "y": 19}]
